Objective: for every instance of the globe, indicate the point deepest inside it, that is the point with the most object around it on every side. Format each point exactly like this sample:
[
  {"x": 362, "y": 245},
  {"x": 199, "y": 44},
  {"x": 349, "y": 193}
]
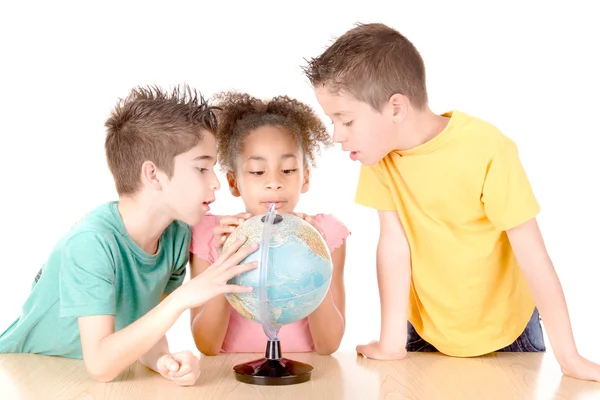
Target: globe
[{"x": 294, "y": 272}]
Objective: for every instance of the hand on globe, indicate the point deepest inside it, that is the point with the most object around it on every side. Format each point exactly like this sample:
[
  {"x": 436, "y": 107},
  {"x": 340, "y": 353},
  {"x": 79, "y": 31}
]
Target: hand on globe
[
  {"x": 311, "y": 221},
  {"x": 227, "y": 224},
  {"x": 213, "y": 281}
]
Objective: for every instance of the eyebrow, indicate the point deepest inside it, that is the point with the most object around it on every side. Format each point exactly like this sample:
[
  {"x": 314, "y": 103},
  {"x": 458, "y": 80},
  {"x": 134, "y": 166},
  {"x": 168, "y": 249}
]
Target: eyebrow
[
  {"x": 203, "y": 158},
  {"x": 283, "y": 157},
  {"x": 340, "y": 113}
]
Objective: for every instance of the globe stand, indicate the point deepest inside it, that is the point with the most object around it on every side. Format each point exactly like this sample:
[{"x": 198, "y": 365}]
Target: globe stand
[{"x": 273, "y": 369}]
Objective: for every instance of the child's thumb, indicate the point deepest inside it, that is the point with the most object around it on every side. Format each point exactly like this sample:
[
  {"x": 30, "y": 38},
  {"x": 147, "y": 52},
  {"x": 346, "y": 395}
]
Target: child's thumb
[{"x": 169, "y": 363}]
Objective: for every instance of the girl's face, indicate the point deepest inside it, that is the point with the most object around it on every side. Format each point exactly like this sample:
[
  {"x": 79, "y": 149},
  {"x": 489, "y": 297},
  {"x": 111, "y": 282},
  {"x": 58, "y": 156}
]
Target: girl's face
[{"x": 270, "y": 169}]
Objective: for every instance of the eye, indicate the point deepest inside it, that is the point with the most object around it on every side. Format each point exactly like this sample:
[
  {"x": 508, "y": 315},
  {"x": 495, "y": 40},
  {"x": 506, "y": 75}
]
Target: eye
[
  {"x": 257, "y": 173},
  {"x": 289, "y": 171},
  {"x": 348, "y": 123},
  {"x": 202, "y": 170}
]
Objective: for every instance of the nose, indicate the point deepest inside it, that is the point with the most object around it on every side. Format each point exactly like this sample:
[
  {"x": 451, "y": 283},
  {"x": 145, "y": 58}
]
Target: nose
[
  {"x": 215, "y": 185},
  {"x": 274, "y": 182},
  {"x": 338, "y": 136}
]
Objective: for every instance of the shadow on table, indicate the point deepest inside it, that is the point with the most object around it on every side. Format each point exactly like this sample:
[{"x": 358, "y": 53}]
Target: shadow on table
[{"x": 218, "y": 379}]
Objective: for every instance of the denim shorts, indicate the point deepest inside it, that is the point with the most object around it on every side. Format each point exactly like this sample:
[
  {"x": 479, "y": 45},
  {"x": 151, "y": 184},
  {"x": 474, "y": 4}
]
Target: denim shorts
[{"x": 530, "y": 341}]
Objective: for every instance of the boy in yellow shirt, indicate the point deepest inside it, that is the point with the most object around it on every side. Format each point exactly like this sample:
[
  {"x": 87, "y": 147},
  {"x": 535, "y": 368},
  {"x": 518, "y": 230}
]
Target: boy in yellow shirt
[{"x": 460, "y": 255}]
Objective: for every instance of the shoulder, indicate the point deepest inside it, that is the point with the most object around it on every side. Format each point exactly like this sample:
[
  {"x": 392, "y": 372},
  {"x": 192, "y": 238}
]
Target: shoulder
[
  {"x": 206, "y": 226},
  {"x": 100, "y": 226},
  {"x": 335, "y": 230},
  {"x": 480, "y": 134},
  {"x": 202, "y": 236}
]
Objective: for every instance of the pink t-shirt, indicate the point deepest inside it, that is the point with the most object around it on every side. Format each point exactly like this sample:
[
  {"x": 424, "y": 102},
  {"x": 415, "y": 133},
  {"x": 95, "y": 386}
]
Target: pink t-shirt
[{"x": 244, "y": 335}]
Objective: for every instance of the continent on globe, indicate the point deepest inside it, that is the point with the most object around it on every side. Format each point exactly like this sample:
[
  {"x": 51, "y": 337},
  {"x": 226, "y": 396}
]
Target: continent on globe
[{"x": 299, "y": 270}]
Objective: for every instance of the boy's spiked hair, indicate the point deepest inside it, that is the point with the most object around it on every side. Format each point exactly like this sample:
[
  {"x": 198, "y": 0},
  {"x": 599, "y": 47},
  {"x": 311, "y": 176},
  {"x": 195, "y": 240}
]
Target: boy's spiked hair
[
  {"x": 151, "y": 124},
  {"x": 371, "y": 62}
]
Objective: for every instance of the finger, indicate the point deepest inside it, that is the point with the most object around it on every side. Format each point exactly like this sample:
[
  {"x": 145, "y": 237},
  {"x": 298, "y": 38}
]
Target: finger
[
  {"x": 184, "y": 370},
  {"x": 360, "y": 349},
  {"x": 234, "y": 259},
  {"x": 221, "y": 229},
  {"x": 236, "y": 270},
  {"x": 234, "y": 219},
  {"x": 187, "y": 380},
  {"x": 236, "y": 289},
  {"x": 231, "y": 250},
  {"x": 300, "y": 215},
  {"x": 168, "y": 364}
]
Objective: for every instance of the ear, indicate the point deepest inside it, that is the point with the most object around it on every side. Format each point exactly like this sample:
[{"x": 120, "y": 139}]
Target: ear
[
  {"x": 399, "y": 105},
  {"x": 152, "y": 176},
  {"x": 306, "y": 182},
  {"x": 232, "y": 184}
]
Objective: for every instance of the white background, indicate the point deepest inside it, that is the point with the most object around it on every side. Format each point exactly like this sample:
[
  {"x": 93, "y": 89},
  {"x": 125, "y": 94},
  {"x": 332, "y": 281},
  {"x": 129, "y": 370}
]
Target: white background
[{"x": 531, "y": 69}]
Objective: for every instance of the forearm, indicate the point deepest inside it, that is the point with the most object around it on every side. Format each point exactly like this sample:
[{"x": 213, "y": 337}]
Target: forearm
[
  {"x": 393, "y": 276},
  {"x": 158, "y": 350},
  {"x": 210, "y": 326},
  {"x": 326, "y": 326},
  {"x": 119, "y": 350},
  {"x": 549, "y": 298}
]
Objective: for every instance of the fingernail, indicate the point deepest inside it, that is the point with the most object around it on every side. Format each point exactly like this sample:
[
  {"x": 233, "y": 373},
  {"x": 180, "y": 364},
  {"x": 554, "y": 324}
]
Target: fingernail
[
  {"x": 241, "y": 220},
  {"x": 254, "y": 245}
]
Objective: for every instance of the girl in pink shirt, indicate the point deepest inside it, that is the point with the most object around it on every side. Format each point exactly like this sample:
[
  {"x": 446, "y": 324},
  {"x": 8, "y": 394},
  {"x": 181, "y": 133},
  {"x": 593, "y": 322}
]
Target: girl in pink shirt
[{"x": 266, "y": 150}]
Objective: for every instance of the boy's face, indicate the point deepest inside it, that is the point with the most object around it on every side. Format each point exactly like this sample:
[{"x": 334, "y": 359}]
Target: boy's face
[
  {"x": 367, "y": 134},
  {"x": 269, "y": 170},
  {"x": 192, "y": 187}
]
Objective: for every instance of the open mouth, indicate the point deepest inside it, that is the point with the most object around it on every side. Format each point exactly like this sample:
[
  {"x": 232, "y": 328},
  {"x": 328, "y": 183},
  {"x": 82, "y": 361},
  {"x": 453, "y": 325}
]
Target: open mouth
[
  {"x": 278, "y": 204},
  {"x": 206, "y": 204}
]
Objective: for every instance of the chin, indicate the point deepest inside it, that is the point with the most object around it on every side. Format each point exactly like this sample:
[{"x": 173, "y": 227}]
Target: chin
[{"x": 195, "y": 220}]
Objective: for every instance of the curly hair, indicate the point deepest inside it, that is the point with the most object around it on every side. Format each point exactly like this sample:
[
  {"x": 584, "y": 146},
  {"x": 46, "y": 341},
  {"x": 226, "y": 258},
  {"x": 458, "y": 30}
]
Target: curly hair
[{"x": 239, "y": 114}]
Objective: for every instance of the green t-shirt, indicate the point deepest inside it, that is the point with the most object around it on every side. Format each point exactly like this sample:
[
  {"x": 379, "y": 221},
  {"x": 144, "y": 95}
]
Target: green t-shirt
[{"x": 96, "y": 269}]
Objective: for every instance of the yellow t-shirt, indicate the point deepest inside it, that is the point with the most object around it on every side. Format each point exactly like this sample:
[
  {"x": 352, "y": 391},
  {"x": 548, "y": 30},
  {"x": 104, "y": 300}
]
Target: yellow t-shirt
[{"x": 456, "y": 195}]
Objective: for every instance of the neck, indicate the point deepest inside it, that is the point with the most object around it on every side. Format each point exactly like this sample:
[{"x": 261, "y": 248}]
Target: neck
[
  {"x": 143, "y": 220},
  {"x": 420, "y": 127}
]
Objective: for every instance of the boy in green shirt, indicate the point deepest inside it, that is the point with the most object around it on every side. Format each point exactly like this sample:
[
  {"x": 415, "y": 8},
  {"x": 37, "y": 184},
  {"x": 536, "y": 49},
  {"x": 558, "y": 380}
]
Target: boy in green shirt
[{"x": 112, "y": 286}]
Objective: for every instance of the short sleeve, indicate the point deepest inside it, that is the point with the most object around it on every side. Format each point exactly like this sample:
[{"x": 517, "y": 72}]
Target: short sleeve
[
  {"x": 335, "y": 231},
  {"x": 87, "y": 276},
  {"x": 507, "y": 194},
  {"x": 202, "y": 238},
  {"x": 372, "y": 190},
  {"x": 177, "y": 277}
]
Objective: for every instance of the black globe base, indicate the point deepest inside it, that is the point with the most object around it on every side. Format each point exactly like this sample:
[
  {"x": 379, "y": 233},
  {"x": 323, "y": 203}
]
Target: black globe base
[{"x": 273, "y": 370}]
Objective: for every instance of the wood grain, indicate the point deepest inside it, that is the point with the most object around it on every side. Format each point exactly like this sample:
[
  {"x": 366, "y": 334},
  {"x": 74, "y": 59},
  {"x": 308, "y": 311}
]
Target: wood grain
[{"x": 429, "y": 376}]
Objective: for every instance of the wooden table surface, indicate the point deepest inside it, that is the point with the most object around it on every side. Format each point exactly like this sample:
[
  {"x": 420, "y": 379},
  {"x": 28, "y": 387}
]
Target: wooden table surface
[{"x": 341, "y": 376}]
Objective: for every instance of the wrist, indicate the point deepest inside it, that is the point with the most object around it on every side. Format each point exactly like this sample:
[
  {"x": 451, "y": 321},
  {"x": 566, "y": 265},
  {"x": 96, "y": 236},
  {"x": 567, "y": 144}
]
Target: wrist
[
  {"x": 151, "y": 358},
  {"x": 567, "y": 357},
  {"x": 176, "y": 302},
  {"x": 392, "y": 342}
]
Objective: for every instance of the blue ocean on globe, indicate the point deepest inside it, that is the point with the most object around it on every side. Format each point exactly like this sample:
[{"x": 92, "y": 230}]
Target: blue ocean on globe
[{"x": 298, "y": 276}]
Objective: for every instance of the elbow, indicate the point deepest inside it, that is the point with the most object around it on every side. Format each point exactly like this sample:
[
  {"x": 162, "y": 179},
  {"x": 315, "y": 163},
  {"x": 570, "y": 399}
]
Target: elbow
[
  {"x": 329, "y": 345},
  {"x": 207, "y": 348},
  {"x": 102, "y": 378},
  {"x": 102, "y": 374},
  {"x": 209, "y": 351},
  {"x": 326, "y": 349}
]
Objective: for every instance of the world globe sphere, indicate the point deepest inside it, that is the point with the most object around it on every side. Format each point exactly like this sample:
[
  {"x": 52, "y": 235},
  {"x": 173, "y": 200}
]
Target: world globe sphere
[{"x": 294, "y": 273}]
